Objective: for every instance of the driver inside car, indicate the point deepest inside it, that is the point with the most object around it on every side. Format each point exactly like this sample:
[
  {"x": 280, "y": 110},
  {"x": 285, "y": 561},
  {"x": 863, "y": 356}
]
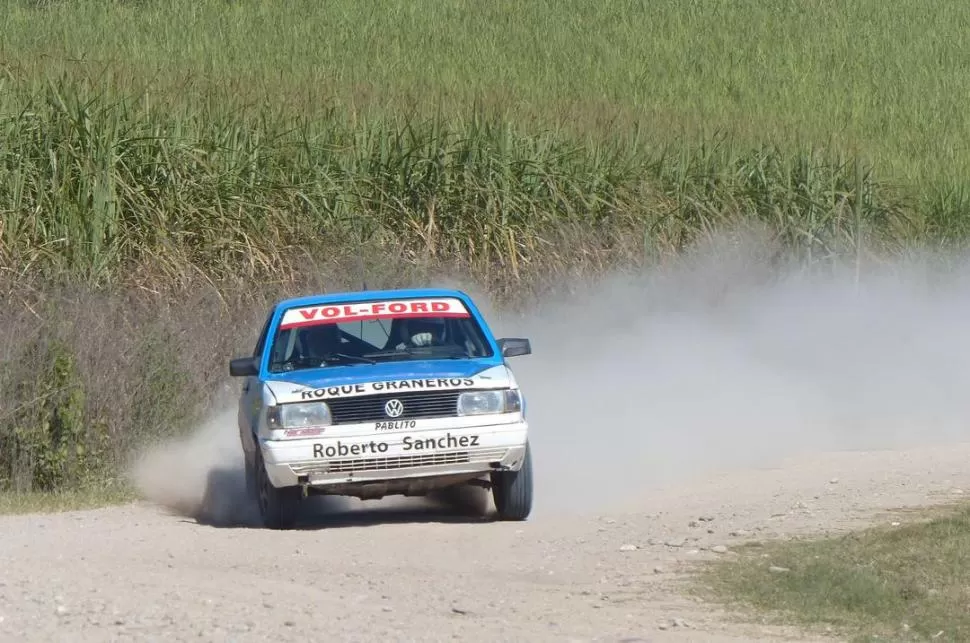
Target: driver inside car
[
  {"x": 419, "y": 332},
  {"x": 320, "y": 341}
]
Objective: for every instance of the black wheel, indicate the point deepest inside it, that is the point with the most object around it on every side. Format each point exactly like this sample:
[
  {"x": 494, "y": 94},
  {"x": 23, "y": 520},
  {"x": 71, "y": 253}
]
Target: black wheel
[
  {"x": 278, "y": 507},
  {"x": 512, "y": 490}
]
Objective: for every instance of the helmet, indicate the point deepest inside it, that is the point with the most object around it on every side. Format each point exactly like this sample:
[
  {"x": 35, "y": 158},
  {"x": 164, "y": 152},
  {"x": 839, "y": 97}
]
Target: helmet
[{"x": 320, "y": 339}]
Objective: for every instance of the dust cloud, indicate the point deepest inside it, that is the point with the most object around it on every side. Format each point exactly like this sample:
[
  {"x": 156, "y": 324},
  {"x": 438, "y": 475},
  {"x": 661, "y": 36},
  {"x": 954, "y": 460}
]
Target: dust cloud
[
  {"x": 731, "y": 358},
  {"x": 726, "y": 358},
  {"x": 200, "y": 476}
]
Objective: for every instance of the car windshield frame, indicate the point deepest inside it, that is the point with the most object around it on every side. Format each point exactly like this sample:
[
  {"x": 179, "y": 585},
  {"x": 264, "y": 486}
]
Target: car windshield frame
[{"x": 371, "y": 332}]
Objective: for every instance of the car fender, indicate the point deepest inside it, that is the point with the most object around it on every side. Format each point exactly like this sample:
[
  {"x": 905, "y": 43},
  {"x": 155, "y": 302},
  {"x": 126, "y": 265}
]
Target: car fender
[{"x": 260, "y": 403}]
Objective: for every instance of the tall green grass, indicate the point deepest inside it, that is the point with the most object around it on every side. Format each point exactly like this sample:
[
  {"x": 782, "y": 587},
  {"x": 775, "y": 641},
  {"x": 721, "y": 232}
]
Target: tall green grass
[
  {"x": 886, "y": 78},
  {"x": 223, "y": 137},
  {"x": 103, "y": 186}
]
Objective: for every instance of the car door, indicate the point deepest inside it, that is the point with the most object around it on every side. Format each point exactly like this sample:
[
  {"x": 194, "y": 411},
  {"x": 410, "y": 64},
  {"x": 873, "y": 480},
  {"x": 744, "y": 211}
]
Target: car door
[{"x": 250, "y": 399}]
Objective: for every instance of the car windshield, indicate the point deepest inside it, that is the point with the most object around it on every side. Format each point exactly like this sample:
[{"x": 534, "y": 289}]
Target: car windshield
[{"x": 376, "y": 331}]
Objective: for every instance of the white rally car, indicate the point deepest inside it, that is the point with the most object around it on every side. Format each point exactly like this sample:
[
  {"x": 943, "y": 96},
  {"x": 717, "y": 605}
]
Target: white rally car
[{"x": 377, "y": 393}]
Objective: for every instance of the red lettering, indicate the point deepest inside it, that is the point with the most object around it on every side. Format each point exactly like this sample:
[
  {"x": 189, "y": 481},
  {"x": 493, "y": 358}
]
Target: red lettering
[{"x": 374, "y": 310}]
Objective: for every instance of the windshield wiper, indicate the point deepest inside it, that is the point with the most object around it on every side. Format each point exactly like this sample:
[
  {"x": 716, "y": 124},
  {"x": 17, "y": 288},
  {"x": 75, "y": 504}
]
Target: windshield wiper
[
  {"x": 450, "y": 352},
  {"x": 336, "y": 357},
  {"x": 404, "y": 352},
  {"x": 302, "y": 362}
]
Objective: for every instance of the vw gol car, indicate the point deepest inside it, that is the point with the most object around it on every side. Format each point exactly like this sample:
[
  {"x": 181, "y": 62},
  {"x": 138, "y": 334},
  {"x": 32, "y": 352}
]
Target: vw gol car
[{"x": 378, "y": 393}]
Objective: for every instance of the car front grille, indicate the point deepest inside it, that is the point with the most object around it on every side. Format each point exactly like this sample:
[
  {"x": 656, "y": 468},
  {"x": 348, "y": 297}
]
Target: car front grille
[
  {"x": 400, "y": 462},
  {"x": 417, "y": 405},
  {"x": 347, "y": 465}
]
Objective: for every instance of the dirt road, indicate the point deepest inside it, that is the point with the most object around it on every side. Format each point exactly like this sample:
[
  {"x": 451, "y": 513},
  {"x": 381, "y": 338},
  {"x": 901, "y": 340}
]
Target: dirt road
[{"x": 391, "y": 572}]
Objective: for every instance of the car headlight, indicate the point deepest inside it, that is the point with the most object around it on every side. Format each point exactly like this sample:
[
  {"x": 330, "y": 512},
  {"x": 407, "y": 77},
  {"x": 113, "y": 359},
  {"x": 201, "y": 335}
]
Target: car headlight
[
  {"x": 298, "y": 416},
  {"x": 489, "y": 402}
]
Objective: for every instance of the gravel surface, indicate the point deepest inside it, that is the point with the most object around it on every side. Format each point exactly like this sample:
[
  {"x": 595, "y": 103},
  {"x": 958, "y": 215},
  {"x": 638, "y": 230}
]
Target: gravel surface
[{"x": 408, "y": 570}]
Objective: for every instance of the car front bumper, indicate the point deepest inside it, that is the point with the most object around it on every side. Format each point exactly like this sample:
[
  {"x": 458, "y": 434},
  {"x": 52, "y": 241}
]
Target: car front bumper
[{"x": 348, "y": 459}]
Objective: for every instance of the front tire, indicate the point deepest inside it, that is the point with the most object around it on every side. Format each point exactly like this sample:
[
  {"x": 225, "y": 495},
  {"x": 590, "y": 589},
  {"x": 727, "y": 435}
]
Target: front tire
[
  {"x": 278, "y": 507},
  {"x": 512, "y": 490}
]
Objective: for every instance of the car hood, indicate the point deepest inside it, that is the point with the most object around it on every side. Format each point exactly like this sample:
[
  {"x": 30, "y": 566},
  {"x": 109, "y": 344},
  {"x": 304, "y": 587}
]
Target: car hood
[{"x": 363, "y": 379}]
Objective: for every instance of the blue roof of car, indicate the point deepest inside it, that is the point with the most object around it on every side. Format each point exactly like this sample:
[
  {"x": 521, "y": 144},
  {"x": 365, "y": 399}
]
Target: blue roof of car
[{"x": 364, "y": 295}]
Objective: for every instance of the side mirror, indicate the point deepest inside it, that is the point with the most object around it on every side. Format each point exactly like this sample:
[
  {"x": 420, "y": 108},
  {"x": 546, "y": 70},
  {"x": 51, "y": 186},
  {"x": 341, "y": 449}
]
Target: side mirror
[
  {"x": 514, "y": 346},
  {"x": 243, "y": 367}
]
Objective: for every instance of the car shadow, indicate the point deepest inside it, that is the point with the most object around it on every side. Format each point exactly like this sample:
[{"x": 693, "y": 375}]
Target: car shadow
[
  {"x": 390, "y": 510},
  {"x": 226, "y": 505}
]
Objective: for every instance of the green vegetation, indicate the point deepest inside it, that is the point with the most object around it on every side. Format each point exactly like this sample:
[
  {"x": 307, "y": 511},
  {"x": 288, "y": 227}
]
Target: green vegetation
[
  {"x": 885, "y": 76},
  {"x": 95, "y": 188},
  {"x": 166, "y": 168},
  {"x": 904, "y": 583},
  {"x": 49, "y": 442},
  {"x": 230, "y": 137}
]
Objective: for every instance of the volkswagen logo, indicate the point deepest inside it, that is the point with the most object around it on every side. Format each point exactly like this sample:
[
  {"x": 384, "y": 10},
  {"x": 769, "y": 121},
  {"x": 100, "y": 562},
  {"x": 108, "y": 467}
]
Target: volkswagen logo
[{"x": 394, "y": 408}]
